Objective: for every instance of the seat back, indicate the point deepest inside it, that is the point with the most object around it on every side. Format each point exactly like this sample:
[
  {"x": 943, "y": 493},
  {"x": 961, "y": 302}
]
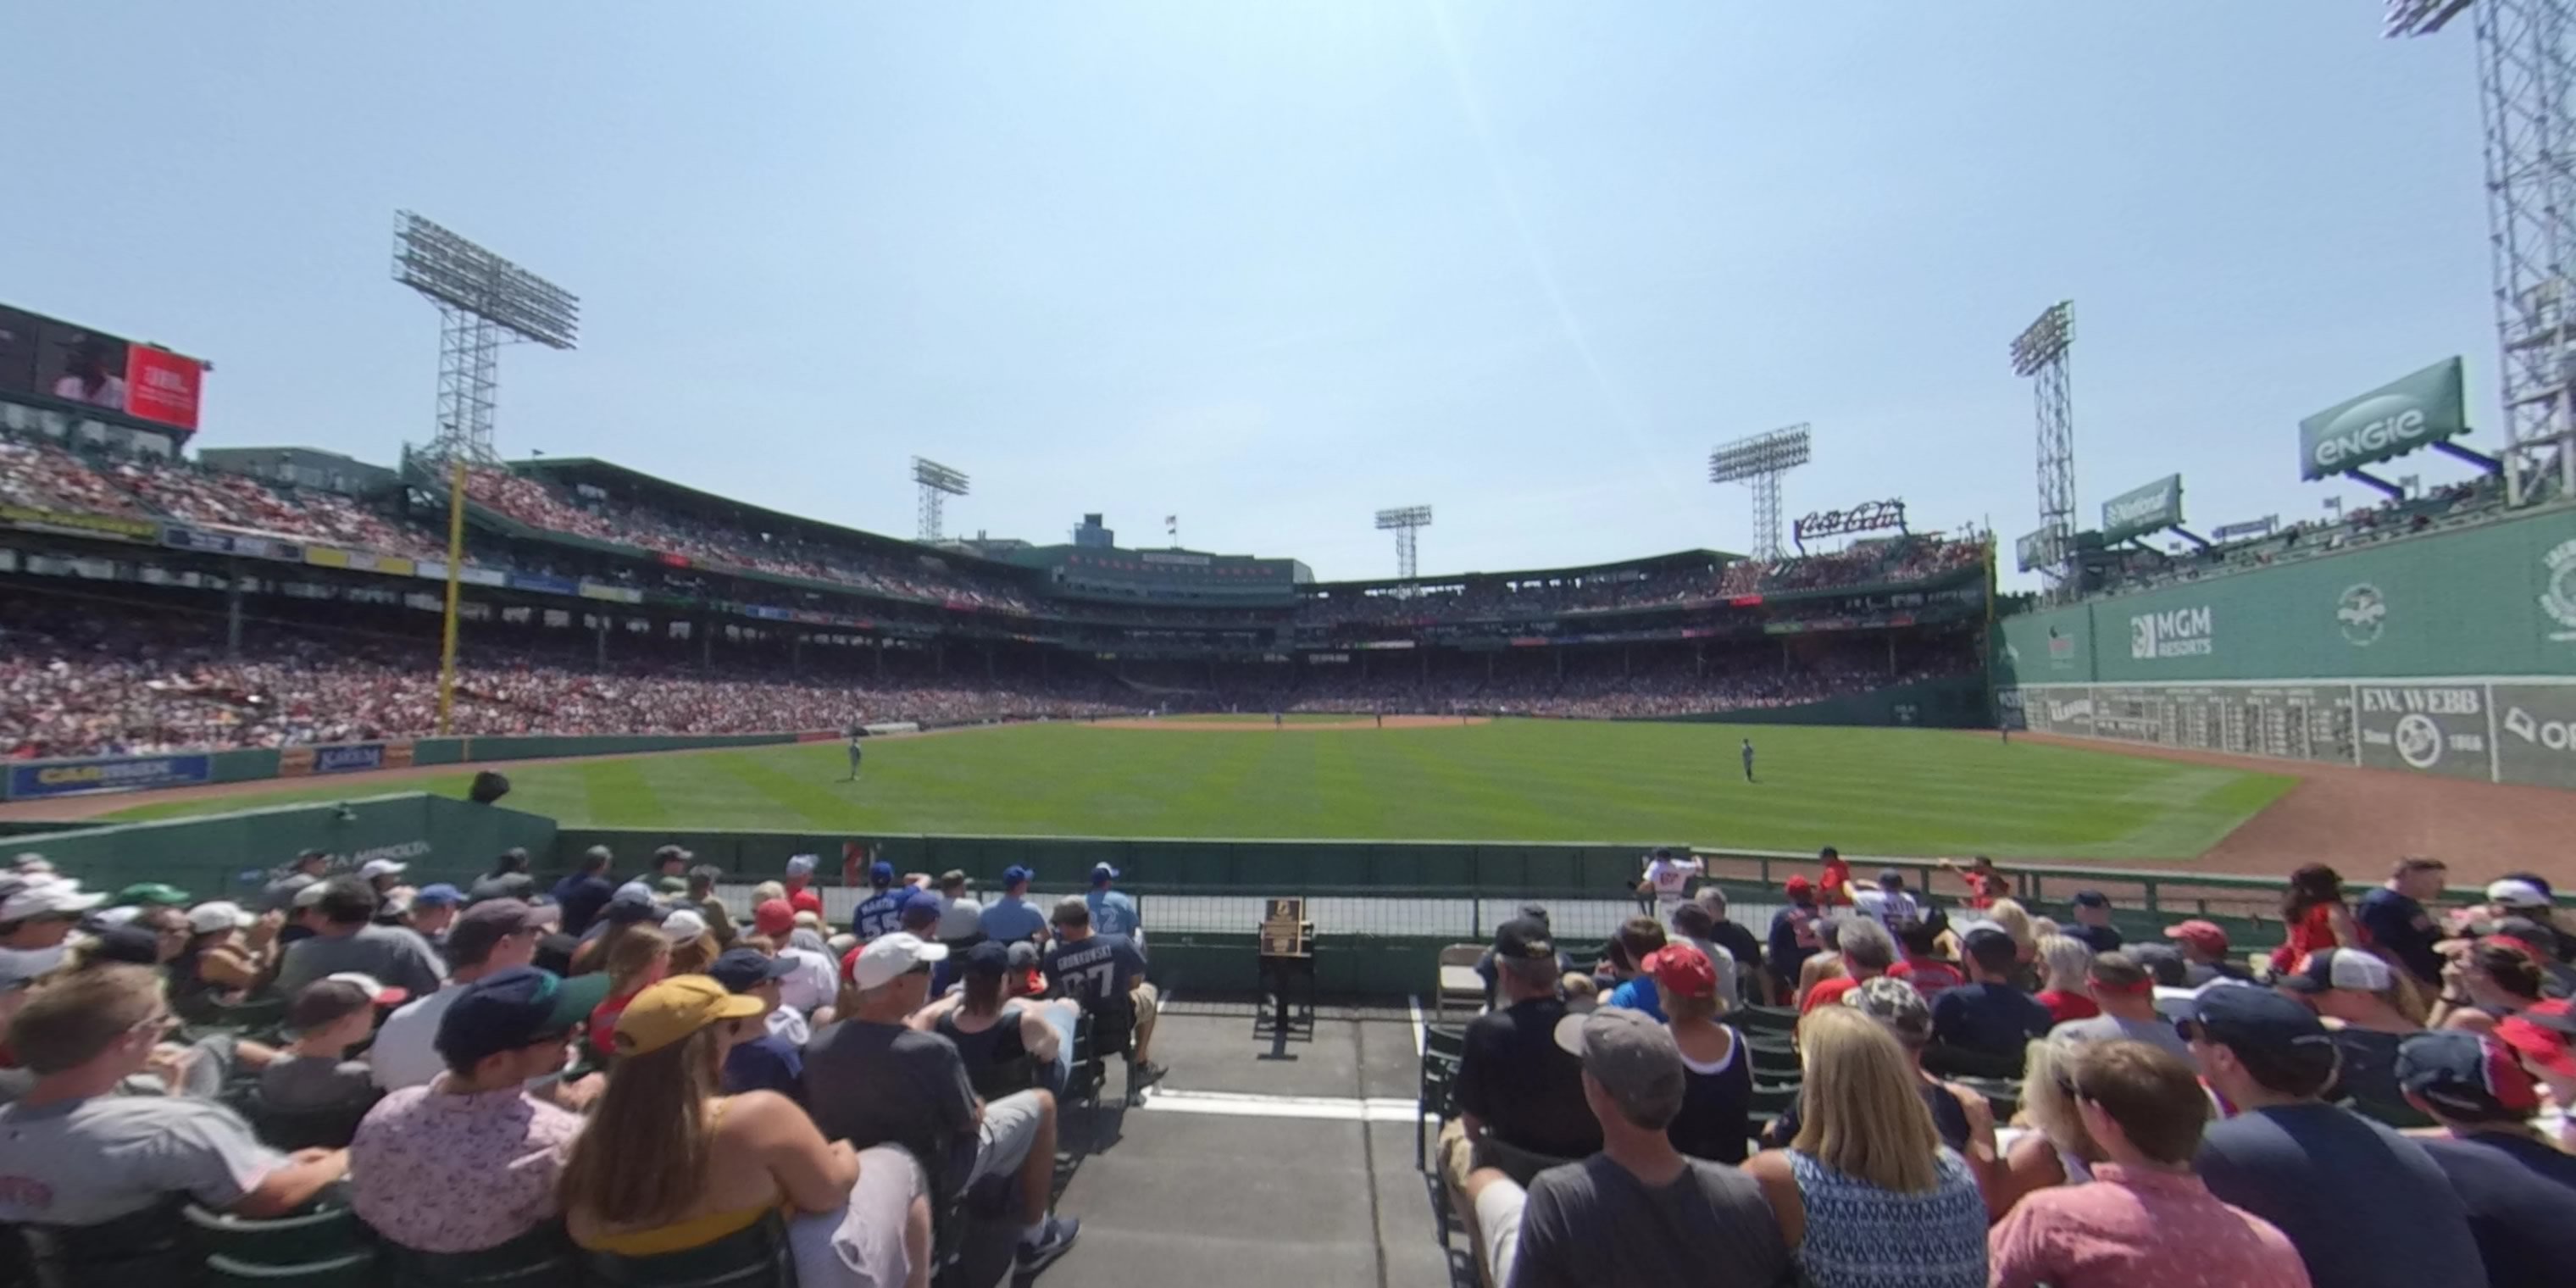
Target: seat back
[
  {"x": 147, "y": 1247},
  {"x": 328, "y": 1233},
  {"x": 355, "y": 1270},
  {"x": 1444, "y": 1040},
  {"x": 756, "y": 1257},
  {"x": 290, "y": 1129},
  {"x": 540, "y": 1258},
  {"x": 1765, "y": 1019},
  {"x": 1462, "y": 954}
]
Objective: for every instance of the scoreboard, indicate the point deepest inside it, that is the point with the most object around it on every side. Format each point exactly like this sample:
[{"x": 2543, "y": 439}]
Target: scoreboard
[{"x": 2292, "y": 721}]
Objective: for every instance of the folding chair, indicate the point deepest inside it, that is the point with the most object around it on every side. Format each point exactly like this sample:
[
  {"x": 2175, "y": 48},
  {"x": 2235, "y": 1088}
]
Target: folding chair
[{"x": 1458, "y": 981}]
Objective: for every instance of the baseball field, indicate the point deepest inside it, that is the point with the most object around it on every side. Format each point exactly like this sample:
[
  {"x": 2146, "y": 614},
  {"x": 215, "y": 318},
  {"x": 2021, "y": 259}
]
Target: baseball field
[{"x": 1909, "y": 791}]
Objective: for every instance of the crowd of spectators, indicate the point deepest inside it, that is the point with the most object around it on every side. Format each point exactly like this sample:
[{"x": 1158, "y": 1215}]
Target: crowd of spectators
[
  {"x": 2470, "y": 501},
  {"x": 46, "y": 477},
  {"x": 420, "y": 1079},
  {"x": 40, "y": 474},
  {"x": 1977, "y": 1096}
]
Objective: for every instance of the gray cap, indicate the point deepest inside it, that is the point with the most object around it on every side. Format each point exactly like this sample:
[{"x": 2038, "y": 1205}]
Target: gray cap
[
  {"x": 1897, "y": 1007},
  {"x": 1632, "y": 1057}
]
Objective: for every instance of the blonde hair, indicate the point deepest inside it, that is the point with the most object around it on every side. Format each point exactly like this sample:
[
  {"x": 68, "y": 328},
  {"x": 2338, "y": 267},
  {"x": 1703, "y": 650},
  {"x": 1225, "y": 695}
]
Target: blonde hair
[
  {"x": 2012, "y": 919},
  {"x": 1863, "y": 1117},
  {"x": 766, "y": 891},
  {"x": 693, "y": 956},
  {"x": 2067, "y": 962},
  {"x": 634, "y": 956},
  {"x": 1580, "y": 987},
  {"x": 2044, "y": 1099},
  {"x": 1680, "y": 1007}
]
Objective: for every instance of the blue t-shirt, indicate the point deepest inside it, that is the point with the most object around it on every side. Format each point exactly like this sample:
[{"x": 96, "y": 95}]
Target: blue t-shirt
[
  {"x": 1997, "y": 1019},
  {"x": 1095, "y": 972},
  {"x": 580, "y": 899},
  {"x": 766, "y": 1063},
  {"x": 2521, "y": 1197},
  {"x": 1639, "y": 994},
  {"x": 1112, "y": 913},
  {"x": 1011, "y": 919},
  {"x": 878, "y": 914},
  {"x": 2366, "y": 1207}
]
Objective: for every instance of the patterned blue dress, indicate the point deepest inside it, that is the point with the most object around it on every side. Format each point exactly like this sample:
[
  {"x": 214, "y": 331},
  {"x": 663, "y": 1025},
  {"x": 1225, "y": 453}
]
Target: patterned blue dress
[{"x": 1861, "y": 1236}]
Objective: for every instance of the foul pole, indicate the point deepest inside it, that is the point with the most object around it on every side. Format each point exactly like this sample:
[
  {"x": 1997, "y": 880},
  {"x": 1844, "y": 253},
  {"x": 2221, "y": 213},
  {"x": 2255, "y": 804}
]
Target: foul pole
[{"x": 455, "y": 580}]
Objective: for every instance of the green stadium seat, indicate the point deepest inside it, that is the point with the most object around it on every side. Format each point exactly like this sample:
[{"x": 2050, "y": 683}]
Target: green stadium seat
[
  {"x": 356, "y": 1270},
  {"x": 1441, "y": 1049},
  {"x": 758, "y": 1257},
  {"x": 148, "y": 1247},
  {"x": 538, "y": 1259},
  {"x": 1765, "y": 1019},
  {"x": 330, "y": 1127},
  {"x": 326, "y": 1234}
]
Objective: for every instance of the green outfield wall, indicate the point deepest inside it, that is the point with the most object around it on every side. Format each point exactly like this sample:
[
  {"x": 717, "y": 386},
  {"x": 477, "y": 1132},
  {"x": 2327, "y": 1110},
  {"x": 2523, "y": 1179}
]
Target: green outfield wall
[
  {"x": 44, "y": 779},
  {"x": 1957, "y": 703},
  {"x": 2449, "y": 653},
  {"x": 223, "y": 856}
]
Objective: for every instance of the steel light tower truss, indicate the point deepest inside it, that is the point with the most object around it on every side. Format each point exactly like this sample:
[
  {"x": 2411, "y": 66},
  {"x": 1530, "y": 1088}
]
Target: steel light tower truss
[
  {"x": 484, "y": 302},
  {"x": 1757, "y": 463},
  {"x": 2040, "y": 352},
  {"x": 1405, "y": 522},
  {"x": 938, "y": 483}
]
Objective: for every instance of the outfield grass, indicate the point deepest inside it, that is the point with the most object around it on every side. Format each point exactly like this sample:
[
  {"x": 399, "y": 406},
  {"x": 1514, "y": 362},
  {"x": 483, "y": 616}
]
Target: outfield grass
[
  {"x": 1263, "y": 718},
  {"x": 1888, "y": 791}
]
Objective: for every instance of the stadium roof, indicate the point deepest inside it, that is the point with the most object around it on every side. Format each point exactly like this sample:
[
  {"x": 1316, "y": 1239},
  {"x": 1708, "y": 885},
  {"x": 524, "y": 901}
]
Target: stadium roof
[{"x": 1648, "y": 563}]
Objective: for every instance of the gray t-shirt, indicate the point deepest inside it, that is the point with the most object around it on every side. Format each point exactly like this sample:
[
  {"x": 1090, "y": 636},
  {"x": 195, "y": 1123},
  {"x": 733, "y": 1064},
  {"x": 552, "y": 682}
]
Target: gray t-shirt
[
  {"x": 88, "y": 1161},
  {"x": 391, "y": 954},
  {"x": 2111, "y": 1028},
  {"x": 879, "y": 1084},
  {"x": 1594, "y": 1222},
  {"x": 279, "y": 895},
  {"x": 315, "y": 1082}
]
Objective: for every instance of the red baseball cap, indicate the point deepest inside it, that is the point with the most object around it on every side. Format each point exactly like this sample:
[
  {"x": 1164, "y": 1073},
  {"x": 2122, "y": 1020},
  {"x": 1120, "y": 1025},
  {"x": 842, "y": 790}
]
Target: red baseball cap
[
  {"x": 2203, "y": 935},
  {"x": 1683, "y": 968},
  {"x": 804, "y": 900},
  {"x": 774, "y": 917},
  {"x": 2542, "y": 1034},
  {"x": 1797, "y": 885}
]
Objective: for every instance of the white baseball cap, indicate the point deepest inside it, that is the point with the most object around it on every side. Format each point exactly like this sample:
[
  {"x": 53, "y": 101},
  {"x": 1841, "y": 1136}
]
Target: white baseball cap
[
  {"x": 381, "y": 868},
  {"x": 118, "y": 916},
  {"x": 2516, "y": 894},
  {"x": 888, "y": 958},
  {"x": 311, "y": 893},
  {"x": 219, "y": 914},
  {"x": 48, "y": 899},
  {"x": 381, "y": 993},
  {"x": 801, "y": 866},
  {"x": 686, "y": 923}
]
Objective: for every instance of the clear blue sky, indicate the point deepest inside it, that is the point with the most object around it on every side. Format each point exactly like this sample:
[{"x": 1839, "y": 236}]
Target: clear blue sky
[{"x": 1273, "y": 267}]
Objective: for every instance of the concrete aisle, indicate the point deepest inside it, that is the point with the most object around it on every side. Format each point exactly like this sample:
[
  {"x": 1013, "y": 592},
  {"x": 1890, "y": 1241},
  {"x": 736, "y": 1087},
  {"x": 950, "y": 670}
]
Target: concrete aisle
[{"x": 1257, "y": 1172}]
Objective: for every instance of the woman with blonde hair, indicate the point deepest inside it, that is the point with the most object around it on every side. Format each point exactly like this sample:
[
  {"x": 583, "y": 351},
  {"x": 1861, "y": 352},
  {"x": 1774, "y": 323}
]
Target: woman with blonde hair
[
  {"x": 2060, "y": 1152},
  {"x": 2015, "y": 920},
  {"x": 668, "y": 1164},
  {"x": 693, "y": 944},
  {"x": 638, "y": 962},
  {"x": 1867, "y": 1196},
  {"x": 2066, "y": 965}
]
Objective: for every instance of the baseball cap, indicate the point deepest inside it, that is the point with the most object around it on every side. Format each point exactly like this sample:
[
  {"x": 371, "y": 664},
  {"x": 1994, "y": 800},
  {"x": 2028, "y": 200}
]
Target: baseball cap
[
  {"x": 741, "y": 970},
  {"x": 2203, "y": 935},
  {"x": 632, "y": 903},
  {"x": 1102, "y": 872},
  {"x": 2268, "y": 1032},
  {"x": 303, "y": 857},
  {"x": 2091, "y": 899},
  {"x": 2163, "y": 962},
  {"x": 1798, "y": 887},
  {"x": 1890, "y": 876},
  {"x": 922, "y": 906},
  {"x": 955, "y": 876},
  {"x": 145, "y": 894},
  {"x": 801, "y": 865},
  {"x": 685, "y": 924},
  {"x": 438, "y": 894},
  {"x": 377, "y": 991},
  {"x": 60, "y": 898},
  {"x": 2543, "y": 1033},
  {"x": 1683, "y": 969},
  {"x": 2466, "y": 1076},
  {"x": 219, "y": 914},
  {"x": 2338, "y": 968},
  {"x": 2513, "y": 893},
  {"x": 1015, "y": 874},
  {"x": 328, "y": 1000},
  {"x": 670, "y": 885},
  {"x": 1991, "y": 937},
  {"x": 881, "y": 873},
  {"x": 774, "y": 917},
  {"x": 311, "y": 893},
  {"x": 989, "y": 958},
  {"x": 115, "y": 916},
  {"x": 1629, "y": 1054},
  {"x": 887, "y": 958},
  {"x": 374, "y": 868},
  {"x": 507, "y": 1010},
  {"x": 805, "y": 900},
  {"x": 132, "y": 944},
  {"x": 671, "y": 854},
  {"x": 1897, "y": 1006},
  {"x": 488, "y": 923},
  {"x": 1523, "y": 937},
  {"x": 673, "y": 1009}
]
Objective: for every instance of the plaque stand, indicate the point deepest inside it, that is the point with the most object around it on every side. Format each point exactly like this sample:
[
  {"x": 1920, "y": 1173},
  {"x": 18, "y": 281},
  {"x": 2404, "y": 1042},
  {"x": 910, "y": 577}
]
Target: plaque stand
[{"x": 1287, "y": 961}]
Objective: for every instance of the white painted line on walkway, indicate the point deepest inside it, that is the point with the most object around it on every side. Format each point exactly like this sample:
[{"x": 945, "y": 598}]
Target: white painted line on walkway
[
  {"x": 1376, "y": 1109},
  {"x": 1413, "y": 1004}
]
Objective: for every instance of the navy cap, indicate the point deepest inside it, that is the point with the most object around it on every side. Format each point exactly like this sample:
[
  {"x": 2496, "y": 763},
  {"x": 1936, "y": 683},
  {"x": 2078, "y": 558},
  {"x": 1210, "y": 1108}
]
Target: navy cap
[
  {"x": 921, "y": 905},
  {"x": 1102, "y": 872},
  {"x": 1523, "y": 937},
  {"x": 2466, "y": 1076},
  {"x": 2091, "y": 899},
  {"x": 741, "y": 970},
  {"x": 881, "y": 873},
  {"x": 1016, "y": 875},
  {"x": 2268, "y": 1031},
  {"x": 437, "y": 894},
  {"x": 988, "y": 958},
  {"x": 1023, "y": 955},
  {"x": 507, "y": 1010},
  {"x": 137, "y": 945}
]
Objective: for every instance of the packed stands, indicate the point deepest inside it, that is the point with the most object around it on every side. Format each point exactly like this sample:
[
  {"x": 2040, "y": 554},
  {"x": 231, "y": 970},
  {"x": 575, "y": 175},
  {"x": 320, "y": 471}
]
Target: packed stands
[{"x": 48, "y": 478}]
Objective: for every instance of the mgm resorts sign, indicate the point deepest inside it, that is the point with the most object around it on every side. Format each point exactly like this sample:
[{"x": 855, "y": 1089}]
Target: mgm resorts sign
[{"x": 2179, "y": 632}]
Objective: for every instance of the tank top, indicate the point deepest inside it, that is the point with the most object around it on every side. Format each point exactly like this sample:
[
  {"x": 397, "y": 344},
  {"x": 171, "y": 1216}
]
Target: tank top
[
  {"x": 1717, "y": 1106},
  {"x": 1861, "y": 1236},
  {"x": 996, "y": 1059}
]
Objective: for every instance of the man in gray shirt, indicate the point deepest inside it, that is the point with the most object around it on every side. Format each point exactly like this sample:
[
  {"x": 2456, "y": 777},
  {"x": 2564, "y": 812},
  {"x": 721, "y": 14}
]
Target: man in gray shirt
[
  {"x": 74, "y": 1154},
  {"x": 279, "y": 895},
  {"x": 2127, "y": 995},
  {"x": 347, "y": 941},
  {"x": 1638, "y": 1212}
]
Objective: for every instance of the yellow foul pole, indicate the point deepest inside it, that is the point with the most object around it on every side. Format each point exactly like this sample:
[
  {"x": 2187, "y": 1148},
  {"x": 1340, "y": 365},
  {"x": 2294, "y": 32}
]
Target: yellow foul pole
[{"x": 455, "y": 579}]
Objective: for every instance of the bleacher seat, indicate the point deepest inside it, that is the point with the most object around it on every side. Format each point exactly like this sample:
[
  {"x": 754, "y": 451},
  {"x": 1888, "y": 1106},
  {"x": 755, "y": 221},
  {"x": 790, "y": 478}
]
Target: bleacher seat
[
  {"x": 757, "y": 1257},
  {"x": 328, "y": 1233},
  {"x": 541, "y": 1258},
  {"x": 1765, "y": 1019},
  {"x": 148, "y": 1247},
  {"x": 1458, "y": 982},
  {"x": 1442, "y": 1046},
  {"x": 355, "y": 1270}
]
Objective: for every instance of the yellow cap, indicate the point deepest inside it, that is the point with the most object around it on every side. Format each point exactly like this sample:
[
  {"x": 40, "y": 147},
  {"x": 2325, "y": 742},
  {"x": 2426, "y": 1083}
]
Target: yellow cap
[{"x": 677, "y": 1007}]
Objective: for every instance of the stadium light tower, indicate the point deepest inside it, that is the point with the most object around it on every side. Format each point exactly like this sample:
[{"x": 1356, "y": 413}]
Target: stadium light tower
[
  {"x": 2525, "y": 73},
  {"x": 1404, "y": 522},
  {"x": 2040, "y": 353},
  {"x": 1757, "y": 463},
  {"x": 938, "y": 483},
  {"x": 484, "y": 301}
]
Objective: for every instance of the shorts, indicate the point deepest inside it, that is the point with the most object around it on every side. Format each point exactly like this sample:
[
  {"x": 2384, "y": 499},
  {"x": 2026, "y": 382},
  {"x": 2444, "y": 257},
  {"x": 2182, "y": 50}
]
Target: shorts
[
  {"x": 1498, "y": 1226},
  {"x": 1149, "y": 1003},
  {"x": 1010, "y": 1130},
  {"x": 861, "y": 1244}
]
